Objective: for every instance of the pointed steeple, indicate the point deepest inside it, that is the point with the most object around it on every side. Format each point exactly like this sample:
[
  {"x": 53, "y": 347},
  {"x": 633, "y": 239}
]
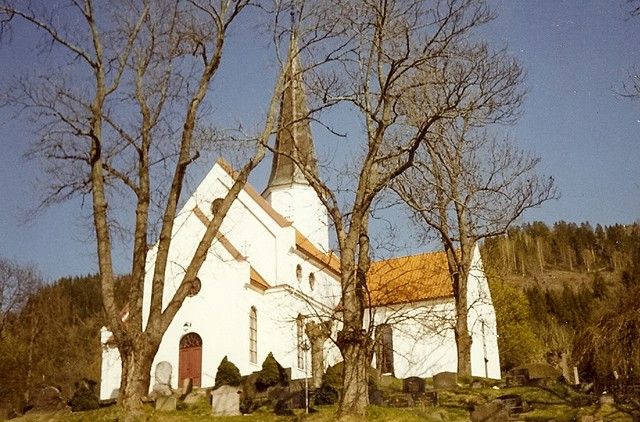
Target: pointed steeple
[{"x": 294, "y": 145}]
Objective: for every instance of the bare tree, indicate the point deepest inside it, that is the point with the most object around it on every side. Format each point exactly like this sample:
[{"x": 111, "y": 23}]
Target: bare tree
[
  {"x": 121, "y": 121},
  {"x": 377, "y": 58},
  {"x": 16, "y": 284},
  {"x": 467, "y": 186}
]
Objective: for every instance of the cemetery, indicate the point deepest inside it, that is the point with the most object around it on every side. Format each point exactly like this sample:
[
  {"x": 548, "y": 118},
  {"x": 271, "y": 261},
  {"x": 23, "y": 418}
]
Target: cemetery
[{"x": 530, "y": 393}]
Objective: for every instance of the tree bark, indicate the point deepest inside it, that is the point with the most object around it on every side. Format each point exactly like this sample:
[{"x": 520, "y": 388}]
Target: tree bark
[
  {"x": 137, "y": 360},
  {"x": 354, "y": 346}
]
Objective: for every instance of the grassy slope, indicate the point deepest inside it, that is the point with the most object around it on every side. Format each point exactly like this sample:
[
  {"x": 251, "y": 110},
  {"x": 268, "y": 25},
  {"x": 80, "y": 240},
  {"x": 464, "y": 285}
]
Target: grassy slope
[{"x": 548, "y": 403}]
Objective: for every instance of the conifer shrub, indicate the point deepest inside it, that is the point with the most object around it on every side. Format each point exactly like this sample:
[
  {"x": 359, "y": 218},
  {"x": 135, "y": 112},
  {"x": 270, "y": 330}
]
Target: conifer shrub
[
  {"x": 272, "y": 373},
  {"x": 85, "y": 397},
  {"x": 228, "y": 374}
]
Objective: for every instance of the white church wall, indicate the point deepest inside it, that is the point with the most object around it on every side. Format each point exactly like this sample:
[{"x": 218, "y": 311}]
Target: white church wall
[
  {"x": 482, "y": 322},
  {"x": 423, "y": 340},
  {"x": 300, "y": 204},
  {"x": 110, "y": 367}
]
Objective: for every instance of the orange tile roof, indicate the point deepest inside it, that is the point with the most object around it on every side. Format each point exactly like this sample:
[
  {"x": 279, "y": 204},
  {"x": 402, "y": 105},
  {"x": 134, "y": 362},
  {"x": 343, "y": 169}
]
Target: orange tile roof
[
  {"x": 329, "y": 261},
  {"x": 409, "y": 279}
]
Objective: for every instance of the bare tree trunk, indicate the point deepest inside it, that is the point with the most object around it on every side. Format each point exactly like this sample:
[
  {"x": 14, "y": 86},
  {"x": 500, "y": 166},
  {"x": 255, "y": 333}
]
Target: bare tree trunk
[
  {"x": 355, "y": 390},
  {"x": 137, "y": 360}
]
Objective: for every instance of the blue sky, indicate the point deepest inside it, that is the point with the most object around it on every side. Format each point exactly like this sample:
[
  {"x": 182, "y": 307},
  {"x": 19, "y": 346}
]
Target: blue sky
[{"x": 576, "y": 54}]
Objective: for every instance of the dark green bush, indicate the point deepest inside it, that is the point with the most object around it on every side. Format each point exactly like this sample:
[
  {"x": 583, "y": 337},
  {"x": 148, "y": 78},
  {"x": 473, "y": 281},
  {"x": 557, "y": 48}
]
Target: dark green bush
[
  {"x": 272, "y": 373},
  {"x": 228, "y": 374},
  {"x": 85, "y": 397},
  {"x": 326, "y": 394}
]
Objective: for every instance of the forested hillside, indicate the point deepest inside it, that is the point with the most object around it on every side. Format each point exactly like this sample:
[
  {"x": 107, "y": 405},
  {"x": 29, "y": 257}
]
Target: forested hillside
[
  {"x": 566, "y": 295},
  {"x": 52, "y": 336}
]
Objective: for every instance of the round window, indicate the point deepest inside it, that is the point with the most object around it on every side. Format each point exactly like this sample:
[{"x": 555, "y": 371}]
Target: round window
[{"x": 195, "y": 287}]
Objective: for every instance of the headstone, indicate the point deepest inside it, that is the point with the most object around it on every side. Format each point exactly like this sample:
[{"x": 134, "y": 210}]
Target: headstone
[
  {"x": 225, "y": 401},
  {"x": 166, "y": 403},
  {"x": 430, "y": 398},
  {"x": 400, "y": 400},
  {"x": 494, "y": 411},
  {"x": 376, "y": 398},
  {"x": 445, "y": 380},
  {"x": 187, "y": 386},
  {"x": 517, "y": 377},
  {"x": 162, "y": 378},
  {"x": 413, "y": 385},
  {"x": 513, "y": 403},
  {"x": 48, "y": 399},
  {"x": 606, "y": 399},
  {"x": 194, "y": 396}
]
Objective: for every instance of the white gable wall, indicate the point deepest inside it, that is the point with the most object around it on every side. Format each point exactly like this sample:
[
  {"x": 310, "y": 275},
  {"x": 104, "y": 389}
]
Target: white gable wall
[
  {"x": 300, "y": 203},
  {"x": 482, "y": 322},
  {"x": 423, "y": 336}
]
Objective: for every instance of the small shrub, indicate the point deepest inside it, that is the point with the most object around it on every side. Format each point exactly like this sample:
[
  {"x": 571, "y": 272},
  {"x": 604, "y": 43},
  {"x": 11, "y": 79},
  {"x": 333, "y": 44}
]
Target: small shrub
[
  {"x": 228, "y": 374},
  {"x": 282, "y": 408},
  {"x": 326, "y": 394},
  {"x": 85, "y": 397},
  {"x": 272, "y": 373}
]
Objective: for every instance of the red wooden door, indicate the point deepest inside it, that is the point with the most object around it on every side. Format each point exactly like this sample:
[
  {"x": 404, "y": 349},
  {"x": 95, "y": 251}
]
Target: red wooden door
[{"x": 190, "y": 359}]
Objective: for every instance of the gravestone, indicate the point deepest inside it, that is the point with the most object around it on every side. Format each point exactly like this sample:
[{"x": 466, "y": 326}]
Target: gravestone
[
  {"x": 413, "y": 385},
  {"x": 376, "y": 398},
  {"x": 400, "y": 400},
  {"x": 166, "y": 403},
  {"x": 48, "y": 399},
  {"x": 445, "y": 380},
  {"x": 162, "y": 384},
  {"x": 606, "y": 399},
  {"x": 494, "y": 411},
  {"x": 187, "y": 386},
  {"x": 429, "y": 398},
  {"x": 513, "y": 403},
  {"x": 518, "y": 377},
  {"x": 225, "y": 401}
]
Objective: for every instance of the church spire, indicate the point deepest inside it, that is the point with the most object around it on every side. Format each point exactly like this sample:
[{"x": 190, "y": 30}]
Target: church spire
[{"x": 294, "y": 145}]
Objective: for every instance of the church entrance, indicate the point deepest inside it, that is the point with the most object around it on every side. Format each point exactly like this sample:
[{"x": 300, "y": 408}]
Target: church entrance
[{"x": 190, "y": 359}]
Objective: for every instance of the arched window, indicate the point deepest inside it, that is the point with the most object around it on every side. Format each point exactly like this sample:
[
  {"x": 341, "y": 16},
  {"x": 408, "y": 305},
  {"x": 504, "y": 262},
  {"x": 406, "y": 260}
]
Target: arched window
[
  {"x": 299, "y": 272},
  {"x": 384, "y": 349},
  {"x": 253, "y": 335},
  {"x": 300, "y": 340},
  {"x": 312, "y": 280}
]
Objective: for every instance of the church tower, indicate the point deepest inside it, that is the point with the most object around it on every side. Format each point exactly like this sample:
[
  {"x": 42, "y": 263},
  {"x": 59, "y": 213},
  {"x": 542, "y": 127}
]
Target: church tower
[{"x": 288, "y": 191}]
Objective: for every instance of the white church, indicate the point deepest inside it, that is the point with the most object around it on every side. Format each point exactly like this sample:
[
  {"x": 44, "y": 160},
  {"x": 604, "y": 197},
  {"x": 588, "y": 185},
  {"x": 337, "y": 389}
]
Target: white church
[{"x": 270, "y": 280}]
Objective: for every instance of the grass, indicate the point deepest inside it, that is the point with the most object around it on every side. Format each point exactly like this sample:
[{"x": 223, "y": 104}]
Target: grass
[{"x": 556, "y": 402}]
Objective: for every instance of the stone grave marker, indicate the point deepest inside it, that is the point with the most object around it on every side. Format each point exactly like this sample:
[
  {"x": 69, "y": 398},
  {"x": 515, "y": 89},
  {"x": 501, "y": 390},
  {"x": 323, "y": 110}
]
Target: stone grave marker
[
  {"x": 513, "y": 403},
  {"x": 187, "y": 386},
  {"x": 445, "y": 380},
  {"x": 400, "y": 400},
  {"x": 494, "y": 411},
  {"x": 429, "y": 398},
  {"x": 162, "y": 378},
  {"x": 376, "y": 398},
  {"x": 517, "y": 377},
  {"x": 166, "y": 403},
  {"x": 48, "y": 399},
  {"x": 413, "y": 385},
  {"x": 225, "y": 401}
]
